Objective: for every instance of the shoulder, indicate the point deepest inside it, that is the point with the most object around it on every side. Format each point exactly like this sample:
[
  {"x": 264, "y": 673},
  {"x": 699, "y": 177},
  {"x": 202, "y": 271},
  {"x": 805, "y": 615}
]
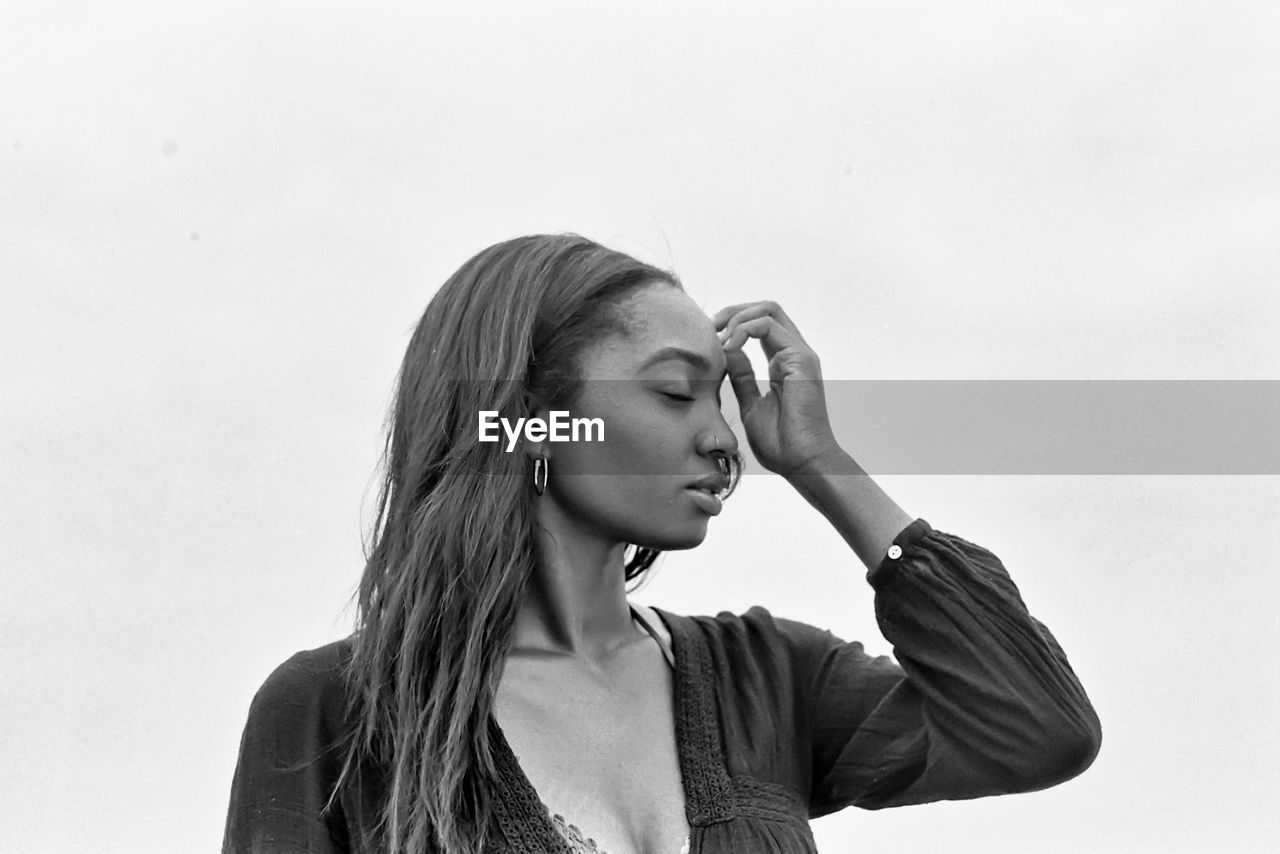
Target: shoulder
[
  {"x": 757, "y": 644},
  {"x": 290, "y": 757},
  {"x": 758, "y": 629},
  {"x": 309, "y": 685}
]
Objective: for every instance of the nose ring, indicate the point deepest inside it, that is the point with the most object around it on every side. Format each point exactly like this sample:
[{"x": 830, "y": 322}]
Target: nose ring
[{"x": 721, "y": 458}]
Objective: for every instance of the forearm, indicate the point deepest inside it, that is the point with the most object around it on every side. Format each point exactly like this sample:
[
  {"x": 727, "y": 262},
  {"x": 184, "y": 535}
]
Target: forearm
[{"x": 864, "y": 515}]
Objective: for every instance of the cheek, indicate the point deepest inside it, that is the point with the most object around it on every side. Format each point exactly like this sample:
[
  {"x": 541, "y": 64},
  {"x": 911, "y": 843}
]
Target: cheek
[
  {"x": 627, "y": 449},
  {"x": 652, "y": 511},
  {"x": 617, "y": 500}
]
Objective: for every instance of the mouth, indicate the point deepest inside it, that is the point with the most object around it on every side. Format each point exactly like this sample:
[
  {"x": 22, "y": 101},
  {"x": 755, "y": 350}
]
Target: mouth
[
  {"x": 714, "y": 485},
  {"x": 706, "y": 497}
]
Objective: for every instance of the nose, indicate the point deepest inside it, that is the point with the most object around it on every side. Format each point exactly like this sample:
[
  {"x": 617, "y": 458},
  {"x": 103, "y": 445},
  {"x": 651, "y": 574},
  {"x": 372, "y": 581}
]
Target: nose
[{"x": 718, "y": 439}]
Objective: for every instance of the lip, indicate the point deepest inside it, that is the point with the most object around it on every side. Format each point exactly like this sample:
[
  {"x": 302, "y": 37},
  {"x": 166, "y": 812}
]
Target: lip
[
  {"x": 707, "y": 501},
  {"x": 715, "y": 483}
]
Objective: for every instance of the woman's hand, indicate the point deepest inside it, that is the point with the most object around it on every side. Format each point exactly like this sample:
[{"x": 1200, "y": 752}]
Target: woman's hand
[{"x": 788, "y": 428}]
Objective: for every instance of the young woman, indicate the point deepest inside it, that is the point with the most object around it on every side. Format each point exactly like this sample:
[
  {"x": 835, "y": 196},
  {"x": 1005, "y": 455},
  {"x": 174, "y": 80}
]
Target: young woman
[{"x": 500, "y": 693}]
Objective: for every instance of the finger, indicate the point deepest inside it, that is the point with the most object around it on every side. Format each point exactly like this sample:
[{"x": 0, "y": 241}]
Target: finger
[
  {"x": 742, "y": 379},
  {"x": 773, "y": 336},
  {"x": 728, "y": 317},
  {"x": 721, "y": 317},
  {"x": 749, "y": 310}
]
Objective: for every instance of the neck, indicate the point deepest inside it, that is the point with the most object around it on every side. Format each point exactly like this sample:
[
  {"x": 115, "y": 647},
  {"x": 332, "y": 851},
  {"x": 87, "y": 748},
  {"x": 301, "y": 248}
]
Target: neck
[{"x": 575, "y": 603}]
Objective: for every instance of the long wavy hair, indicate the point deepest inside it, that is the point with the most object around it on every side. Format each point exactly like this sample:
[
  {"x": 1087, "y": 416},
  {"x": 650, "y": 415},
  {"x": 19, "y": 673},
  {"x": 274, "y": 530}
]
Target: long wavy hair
[{"x": 453, "y": 544}]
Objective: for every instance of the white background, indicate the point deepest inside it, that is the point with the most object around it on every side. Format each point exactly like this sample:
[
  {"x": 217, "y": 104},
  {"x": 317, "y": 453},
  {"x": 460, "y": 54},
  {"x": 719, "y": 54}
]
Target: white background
[{"x": 219, "y": 222}]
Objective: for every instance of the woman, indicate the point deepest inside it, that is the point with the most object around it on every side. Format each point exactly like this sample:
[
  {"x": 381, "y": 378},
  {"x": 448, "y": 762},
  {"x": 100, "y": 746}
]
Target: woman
[{"x": 500, "y": 692}]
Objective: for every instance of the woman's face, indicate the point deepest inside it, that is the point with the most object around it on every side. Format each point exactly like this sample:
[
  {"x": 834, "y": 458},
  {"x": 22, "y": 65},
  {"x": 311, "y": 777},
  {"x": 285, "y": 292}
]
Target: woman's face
[{"x": 657, "y": 392}]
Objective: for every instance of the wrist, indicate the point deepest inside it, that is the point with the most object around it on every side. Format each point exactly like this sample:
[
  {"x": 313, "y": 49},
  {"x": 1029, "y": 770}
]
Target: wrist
[
  {"x": 832, "y": 460},
  {"x": 841, "y": 490}
]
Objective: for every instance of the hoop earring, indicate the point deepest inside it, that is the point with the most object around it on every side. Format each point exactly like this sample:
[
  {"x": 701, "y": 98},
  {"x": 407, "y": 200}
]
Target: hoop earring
[{"x": 540, "y": 468}]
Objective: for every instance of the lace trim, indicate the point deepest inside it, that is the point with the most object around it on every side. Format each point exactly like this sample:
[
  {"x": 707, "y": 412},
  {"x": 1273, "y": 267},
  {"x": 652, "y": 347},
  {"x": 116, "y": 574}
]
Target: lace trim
[
  {"x": 577, "y": 842},
  {"x": 710, "y": 792},
  {"x": 519, "y": 809},
  {"x": 580, "y": 844}
]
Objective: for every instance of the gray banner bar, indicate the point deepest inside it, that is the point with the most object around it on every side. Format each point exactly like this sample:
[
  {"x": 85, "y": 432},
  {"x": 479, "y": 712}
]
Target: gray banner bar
[
  {"x": 1059, "y": 426},
  {"x": 964, "y": 427}
]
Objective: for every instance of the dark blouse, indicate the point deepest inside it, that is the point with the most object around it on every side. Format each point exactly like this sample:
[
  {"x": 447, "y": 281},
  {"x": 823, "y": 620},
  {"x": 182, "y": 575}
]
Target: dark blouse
[{"x": 776, "y": 721}]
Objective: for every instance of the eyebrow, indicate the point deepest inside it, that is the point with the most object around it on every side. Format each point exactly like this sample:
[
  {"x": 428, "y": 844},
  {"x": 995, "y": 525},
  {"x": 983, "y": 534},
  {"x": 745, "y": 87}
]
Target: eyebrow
[{"x": 698, "y": 360}]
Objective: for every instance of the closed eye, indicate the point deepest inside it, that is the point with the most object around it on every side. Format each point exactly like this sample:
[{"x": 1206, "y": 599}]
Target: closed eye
[{"x": 684, "y": 397}]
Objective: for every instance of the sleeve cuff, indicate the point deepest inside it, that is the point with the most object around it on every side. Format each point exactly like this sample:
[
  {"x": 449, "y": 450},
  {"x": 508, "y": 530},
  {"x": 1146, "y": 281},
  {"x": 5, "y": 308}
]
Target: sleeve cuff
[{"x": 907, "y": 539}]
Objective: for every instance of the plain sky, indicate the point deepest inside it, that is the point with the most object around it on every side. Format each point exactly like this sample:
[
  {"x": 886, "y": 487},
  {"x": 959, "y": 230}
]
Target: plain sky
[{"x": 220, "y": 221}]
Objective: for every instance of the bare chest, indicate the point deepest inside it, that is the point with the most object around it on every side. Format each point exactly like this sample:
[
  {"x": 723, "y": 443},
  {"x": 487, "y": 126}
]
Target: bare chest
[{"x": 600, "y": 748}]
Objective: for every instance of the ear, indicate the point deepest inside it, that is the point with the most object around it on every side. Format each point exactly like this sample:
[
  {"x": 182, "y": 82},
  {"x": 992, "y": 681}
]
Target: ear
[{"x": 536, "y": 408}]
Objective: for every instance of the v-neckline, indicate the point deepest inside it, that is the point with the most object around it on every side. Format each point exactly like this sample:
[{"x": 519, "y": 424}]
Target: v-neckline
[{"x": 523, "y": 818}]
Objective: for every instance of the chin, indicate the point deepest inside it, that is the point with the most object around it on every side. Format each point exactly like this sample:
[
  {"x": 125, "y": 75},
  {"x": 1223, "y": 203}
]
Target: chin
[{"x": 674, "y": 541}]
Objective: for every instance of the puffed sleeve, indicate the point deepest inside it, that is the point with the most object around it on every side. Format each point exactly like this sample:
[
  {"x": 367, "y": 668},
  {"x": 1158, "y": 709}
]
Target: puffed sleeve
[
  {"x": 983, "y": 702},
  {"x": 289, "y": 762}
]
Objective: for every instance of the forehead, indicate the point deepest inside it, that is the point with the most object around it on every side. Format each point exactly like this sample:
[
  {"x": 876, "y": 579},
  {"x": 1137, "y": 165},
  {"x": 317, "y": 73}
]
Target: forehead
[{"x": 660, "y": 319}]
